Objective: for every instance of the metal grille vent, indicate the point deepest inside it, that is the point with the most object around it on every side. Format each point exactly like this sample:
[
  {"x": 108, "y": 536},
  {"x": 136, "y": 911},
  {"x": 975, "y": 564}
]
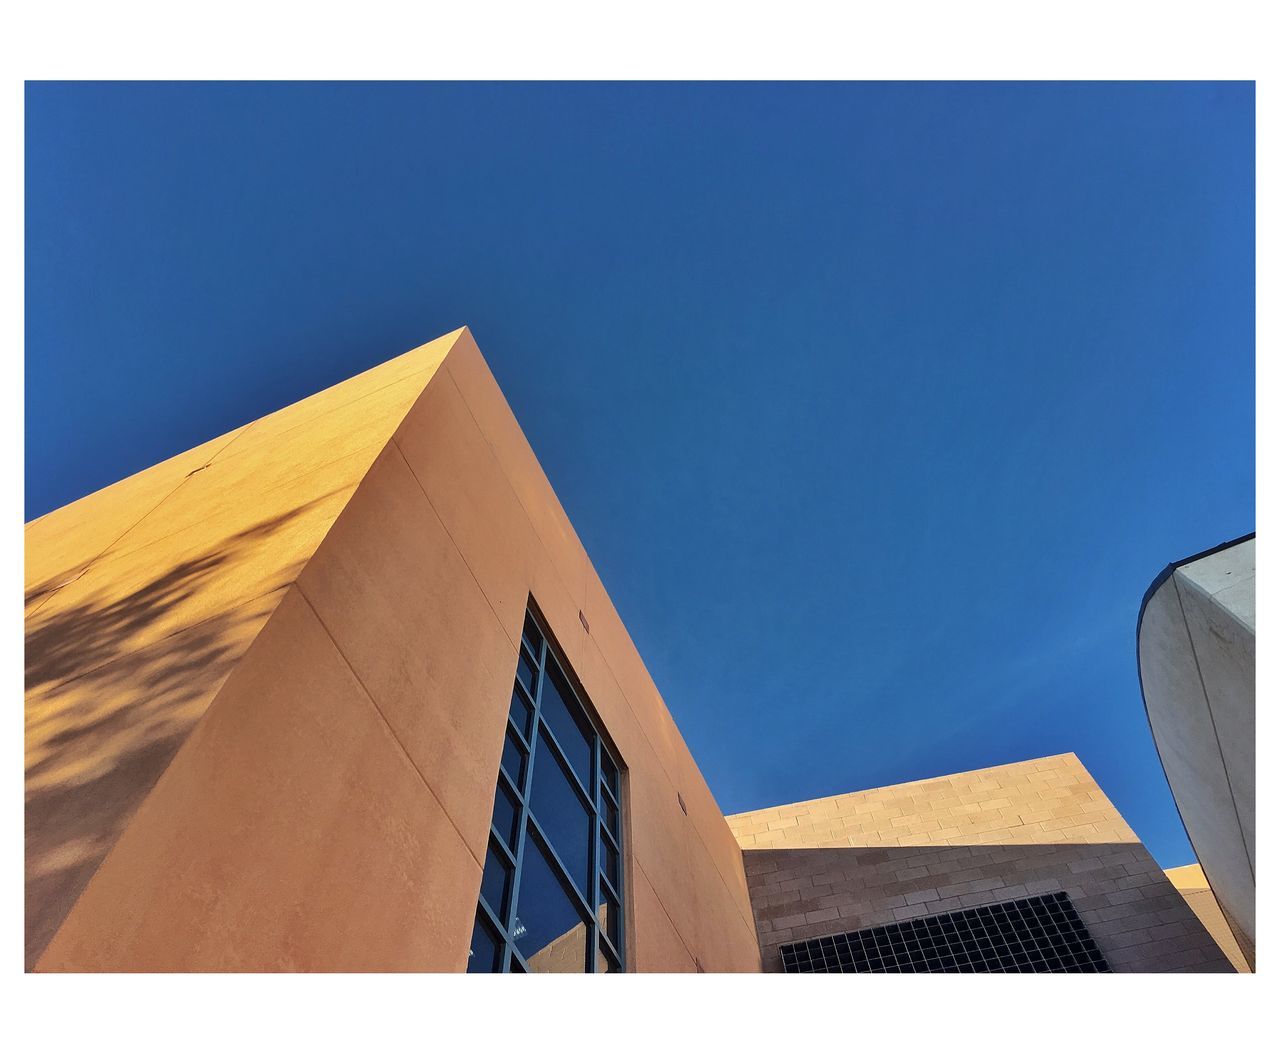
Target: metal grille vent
[{"x": 1041, "y": 934}]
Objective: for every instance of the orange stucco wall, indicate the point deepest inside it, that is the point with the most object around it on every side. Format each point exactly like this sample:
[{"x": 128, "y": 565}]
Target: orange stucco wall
[
  {"x": 143, "y": 597},
  {"x": 329, "y": 809}
]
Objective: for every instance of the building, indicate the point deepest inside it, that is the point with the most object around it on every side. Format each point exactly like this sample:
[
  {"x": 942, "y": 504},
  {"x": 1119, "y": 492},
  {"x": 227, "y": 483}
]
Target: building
[
  {"x": 902, "y": 859},
  {"x": 1196, "y": 652},
  {"x": 1194, "y": 886},
  {"x": 340, "y": 690}
]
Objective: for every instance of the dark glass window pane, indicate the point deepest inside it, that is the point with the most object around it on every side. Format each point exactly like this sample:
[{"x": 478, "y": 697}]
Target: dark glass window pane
[
  {"x": 548, "y": 928},
  {"x": 513, "y": 760},
  {"x": 608, "y": 772},
  {"x": 561, "y": 712},
  {"x": 610, "y": 919},
  {"x": 605, "y": 962},
  {"x": 562, "y": 814},
  {"x": 496, "y": 882},
  {"x": 570, "y": 862},
  {"x": 532, "y": 637},
  {"x": 525, "y": 672},
  {"x": 521, "y": 713},
  {"x": 485, "y": 955},
  {"x": 609, "y": 861},
  {"x": 506, "y": 816}
]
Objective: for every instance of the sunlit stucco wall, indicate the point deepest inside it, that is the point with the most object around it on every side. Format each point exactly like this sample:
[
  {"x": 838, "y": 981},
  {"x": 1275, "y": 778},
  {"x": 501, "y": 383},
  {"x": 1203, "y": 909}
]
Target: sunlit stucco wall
[
  {"x": 142, "y": 598},
  {"x": 330, "y": 808}
]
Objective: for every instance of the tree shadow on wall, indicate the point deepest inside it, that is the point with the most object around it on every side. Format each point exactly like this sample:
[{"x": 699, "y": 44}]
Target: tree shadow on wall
[{"x": 114, "y": 684}]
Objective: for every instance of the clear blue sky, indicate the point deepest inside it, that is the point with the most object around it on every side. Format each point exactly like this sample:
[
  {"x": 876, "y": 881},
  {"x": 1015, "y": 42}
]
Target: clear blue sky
[{"x": 877, "y": 406}]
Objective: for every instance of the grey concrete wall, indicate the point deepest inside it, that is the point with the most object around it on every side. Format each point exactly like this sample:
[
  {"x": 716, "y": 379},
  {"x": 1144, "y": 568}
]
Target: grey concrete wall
[{"x": 1196, "y": 653}]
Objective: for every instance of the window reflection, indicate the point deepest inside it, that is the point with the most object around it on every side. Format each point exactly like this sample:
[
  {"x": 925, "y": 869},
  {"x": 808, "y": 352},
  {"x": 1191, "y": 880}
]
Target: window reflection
[
  {"x": 609, "y": 861},
  {"x": 521, "y": 713},
  {"x": 550, "y": 900},
  {"x": 549, "y": 928},
  {"x": 567, "y": 728},
  {"x": 563, "y": 816},
  {"x": 513, "y": 760},
  {"x": 609, "y": 773},
  {"x": 495, "y": 884},
  {"x": 506, "y": 815},
  {"x": 526, "y": 672},
  {"x": 484, "y": 956},
  {"x": 610, "y": 921}
]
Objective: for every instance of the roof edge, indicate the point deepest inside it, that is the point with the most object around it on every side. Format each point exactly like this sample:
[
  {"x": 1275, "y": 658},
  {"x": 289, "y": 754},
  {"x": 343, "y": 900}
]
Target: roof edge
[
  {"x": 1163, "y": 576},
  {"x": 911, "y": 782}
]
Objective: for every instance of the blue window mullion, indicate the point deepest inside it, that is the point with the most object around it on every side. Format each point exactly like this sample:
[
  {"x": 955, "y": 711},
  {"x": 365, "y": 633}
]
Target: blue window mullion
[
  {"x": 511, "y": 726},
  {"x": 587, "y": 797},
  {"x": 493, "y": 920},
  {"x": 495, "y": 840},
  {"x": 582, "y": 899},
  {"x": 594, "y": 957},
  {"x": 592, "y": 791},
  {"x": 522, "y": 826}
]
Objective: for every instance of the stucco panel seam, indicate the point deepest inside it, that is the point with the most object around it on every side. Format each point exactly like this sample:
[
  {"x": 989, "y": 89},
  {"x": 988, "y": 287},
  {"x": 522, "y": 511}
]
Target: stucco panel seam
[
  {"x": 248, "y": 601},
  {"x": 510, "y": 486},
  {"x": 674, "y": 927},
  {"x": 377, "y": 445},
  {"x": 693, "y": 831},
  {"x": 444, "y": 526},
  {"x": 281, "y": 589},
  {"x": 425, "y": 374},
  {"x": 387, "y": 723},
  {"x": 182, "y": 482},
  {"x": 182, "y": 628},
  {"x": 134, "y": 525},
  {"x": 555, "y": 570}
]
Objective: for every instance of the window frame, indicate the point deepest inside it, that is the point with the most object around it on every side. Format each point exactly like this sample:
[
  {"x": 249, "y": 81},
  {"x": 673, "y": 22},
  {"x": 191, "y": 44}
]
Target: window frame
[{"x": 537, "y": 647}]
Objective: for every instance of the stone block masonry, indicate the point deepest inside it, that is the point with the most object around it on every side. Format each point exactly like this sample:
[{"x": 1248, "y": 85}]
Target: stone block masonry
[{"x": 858, "y": 860}]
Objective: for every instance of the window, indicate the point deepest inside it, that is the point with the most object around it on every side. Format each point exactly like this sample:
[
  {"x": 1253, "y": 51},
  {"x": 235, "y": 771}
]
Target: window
[
  {"x": 1042, "y": 934},
  {"x": 551, "y": 895}
]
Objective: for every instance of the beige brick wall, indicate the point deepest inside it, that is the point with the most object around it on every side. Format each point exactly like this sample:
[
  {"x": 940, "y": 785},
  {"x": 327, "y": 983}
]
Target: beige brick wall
[
  {"x": 1194, "y": 886},
  {"x": 863, "y": 859}
]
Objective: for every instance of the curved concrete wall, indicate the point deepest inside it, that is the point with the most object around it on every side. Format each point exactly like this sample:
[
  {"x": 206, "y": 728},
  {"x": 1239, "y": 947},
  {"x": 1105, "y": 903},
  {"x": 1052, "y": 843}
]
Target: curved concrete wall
[{"x": 1196, "y": 645}]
